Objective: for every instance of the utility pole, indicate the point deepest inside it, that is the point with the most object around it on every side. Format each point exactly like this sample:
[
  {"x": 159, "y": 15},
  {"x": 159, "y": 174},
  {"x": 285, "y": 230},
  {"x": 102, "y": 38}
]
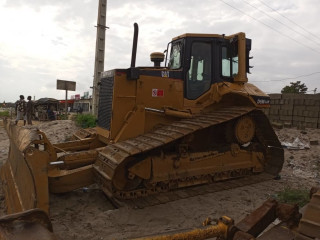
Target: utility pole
[{"x": 100, "y": 51}]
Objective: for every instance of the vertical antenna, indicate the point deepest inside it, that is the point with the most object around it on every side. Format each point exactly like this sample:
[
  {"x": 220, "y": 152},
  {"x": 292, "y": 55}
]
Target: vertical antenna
[{"x": 100, "y": 52}]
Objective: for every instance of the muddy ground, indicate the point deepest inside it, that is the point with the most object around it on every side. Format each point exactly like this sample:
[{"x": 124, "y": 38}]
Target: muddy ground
[{"x": 87, "y": 213}]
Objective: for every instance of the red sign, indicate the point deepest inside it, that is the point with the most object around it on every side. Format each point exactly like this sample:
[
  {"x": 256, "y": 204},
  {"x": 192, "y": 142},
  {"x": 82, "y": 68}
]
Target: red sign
[
  {"x": 77, "y": 97},
  {"x": 157, "y": 92}
]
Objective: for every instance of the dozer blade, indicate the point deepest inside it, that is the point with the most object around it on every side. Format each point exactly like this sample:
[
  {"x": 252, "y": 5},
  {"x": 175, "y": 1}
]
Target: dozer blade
[
  {"x": 24, "y": 174},
  {"x": 33, "y": 168},
  {"x": 32, "y": 224}
]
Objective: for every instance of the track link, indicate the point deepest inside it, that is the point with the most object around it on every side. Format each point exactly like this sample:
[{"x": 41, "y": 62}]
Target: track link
[{"x": 183, "y": 193}]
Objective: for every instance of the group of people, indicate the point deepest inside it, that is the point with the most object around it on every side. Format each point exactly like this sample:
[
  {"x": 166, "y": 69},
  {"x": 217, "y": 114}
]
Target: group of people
[{"x": 24, "y": 110}]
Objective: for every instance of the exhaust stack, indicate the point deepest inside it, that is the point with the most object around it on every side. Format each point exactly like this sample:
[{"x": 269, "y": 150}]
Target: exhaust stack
[{"x": 134, "y": 45}]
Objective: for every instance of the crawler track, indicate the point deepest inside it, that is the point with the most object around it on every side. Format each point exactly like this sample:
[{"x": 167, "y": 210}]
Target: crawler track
[
  {"x": 118, "y": 156},
  {"x": 183, "y": 193}
]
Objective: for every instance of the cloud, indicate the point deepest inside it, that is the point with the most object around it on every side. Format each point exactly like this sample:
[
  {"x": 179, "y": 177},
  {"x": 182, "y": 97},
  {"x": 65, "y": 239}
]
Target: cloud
[{"x": 47, "y": 39}]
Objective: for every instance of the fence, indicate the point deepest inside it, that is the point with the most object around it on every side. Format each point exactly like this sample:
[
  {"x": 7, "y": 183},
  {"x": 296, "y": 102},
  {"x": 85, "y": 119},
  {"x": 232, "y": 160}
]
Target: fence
[{"x": 298, "y": 110}]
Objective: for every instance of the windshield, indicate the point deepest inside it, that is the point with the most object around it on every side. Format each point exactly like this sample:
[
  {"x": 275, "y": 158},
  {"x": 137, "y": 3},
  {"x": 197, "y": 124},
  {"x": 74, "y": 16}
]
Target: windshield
[{"x": 175, "y": 56}]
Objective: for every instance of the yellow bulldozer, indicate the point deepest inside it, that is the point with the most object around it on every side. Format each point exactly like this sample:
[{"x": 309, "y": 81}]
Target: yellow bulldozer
[{"x": 195, "y": 120}]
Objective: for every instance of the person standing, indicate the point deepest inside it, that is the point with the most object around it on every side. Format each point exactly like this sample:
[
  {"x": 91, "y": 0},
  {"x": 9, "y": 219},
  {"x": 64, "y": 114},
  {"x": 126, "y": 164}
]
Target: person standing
[
  {"x": 29, "y": 111},
  {"x": 21, "y": 110}
]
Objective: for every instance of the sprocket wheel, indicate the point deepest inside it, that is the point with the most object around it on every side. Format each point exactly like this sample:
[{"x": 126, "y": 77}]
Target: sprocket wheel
[{"x": 244, "y": 129}]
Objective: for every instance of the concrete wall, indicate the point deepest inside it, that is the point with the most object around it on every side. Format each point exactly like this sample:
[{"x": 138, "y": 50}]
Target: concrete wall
[{"x": 297, "y": 110}]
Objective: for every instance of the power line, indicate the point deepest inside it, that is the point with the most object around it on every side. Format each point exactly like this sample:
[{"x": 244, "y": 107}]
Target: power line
[
  {"x": 239, "y": 10},
  {"x": 289, "y": 20},
  {"x": 292, "y": 29},
  {"x": 289, "y": 78}
]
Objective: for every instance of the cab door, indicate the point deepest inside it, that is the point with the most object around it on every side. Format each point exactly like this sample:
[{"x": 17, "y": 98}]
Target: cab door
[{"x": 198, "y": 76}]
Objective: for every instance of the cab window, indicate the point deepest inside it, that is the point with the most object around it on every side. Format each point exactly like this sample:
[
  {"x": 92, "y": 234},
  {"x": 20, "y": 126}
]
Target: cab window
[
  {"x": 229, "y": 62},
  {"x": 199, "y": 74},
  {"x": 175, "y": 56}
]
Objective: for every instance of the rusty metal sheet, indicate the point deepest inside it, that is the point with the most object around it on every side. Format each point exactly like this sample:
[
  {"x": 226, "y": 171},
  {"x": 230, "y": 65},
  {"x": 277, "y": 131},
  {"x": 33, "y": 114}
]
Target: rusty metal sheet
[
  {"x": 259, "y": 219},
  {"x": 310, "y": 223}
]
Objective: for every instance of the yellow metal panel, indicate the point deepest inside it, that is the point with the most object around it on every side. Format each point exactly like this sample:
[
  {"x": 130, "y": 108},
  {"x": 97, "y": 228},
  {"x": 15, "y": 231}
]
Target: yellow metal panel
[
  {"x": 67, "y": 180},
  {"x": 37, "y": 162},
  {"x": 24, "y": 175},
  {"x": 172, "y": 92},
  {"x": 25, "y": 180},
  {"x": 142, "y": 169},
  {"x": 124, "y": 101},
  {"x": 242, "y": 74},
  {"x": 154, "y": 120},
  {"x": 133, "y": 124},
  {"x": 198, "y": 164}
]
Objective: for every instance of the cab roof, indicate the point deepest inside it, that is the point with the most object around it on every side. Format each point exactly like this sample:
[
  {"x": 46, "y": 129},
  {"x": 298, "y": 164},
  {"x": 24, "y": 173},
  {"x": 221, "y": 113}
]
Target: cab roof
[{"x": 203, "y": 35}]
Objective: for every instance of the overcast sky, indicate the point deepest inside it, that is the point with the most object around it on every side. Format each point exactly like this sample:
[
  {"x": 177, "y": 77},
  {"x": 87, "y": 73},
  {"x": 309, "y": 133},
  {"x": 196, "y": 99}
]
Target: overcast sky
[{"x": 45, "y": 40}]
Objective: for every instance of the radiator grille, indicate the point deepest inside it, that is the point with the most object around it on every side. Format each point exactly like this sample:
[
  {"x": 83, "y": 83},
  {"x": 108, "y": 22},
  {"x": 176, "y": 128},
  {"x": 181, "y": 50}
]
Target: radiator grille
[{"x": 105, "y": 102}]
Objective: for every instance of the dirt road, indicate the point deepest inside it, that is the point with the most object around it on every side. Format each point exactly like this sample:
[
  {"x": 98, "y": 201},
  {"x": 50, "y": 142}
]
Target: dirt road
[{"x": 87, "y": 213}]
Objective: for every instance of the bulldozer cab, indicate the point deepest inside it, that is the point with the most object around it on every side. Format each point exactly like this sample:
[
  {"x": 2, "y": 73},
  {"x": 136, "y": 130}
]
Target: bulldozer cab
[
  {"x": 187, "y": 84},
  {"x": 207, "y": 59}
]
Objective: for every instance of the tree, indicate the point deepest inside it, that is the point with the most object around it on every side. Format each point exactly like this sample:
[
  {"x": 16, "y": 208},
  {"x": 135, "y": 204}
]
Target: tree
[{"x": 295, "y": 87}]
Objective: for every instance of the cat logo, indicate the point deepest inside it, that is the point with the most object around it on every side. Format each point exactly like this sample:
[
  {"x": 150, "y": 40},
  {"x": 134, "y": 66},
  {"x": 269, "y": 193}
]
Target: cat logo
[{"x": 165, "y": 74}]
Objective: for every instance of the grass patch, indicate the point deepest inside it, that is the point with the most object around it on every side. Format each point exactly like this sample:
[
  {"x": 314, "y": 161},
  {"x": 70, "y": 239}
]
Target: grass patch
[
  {"x": 293, "y": 196},
  {"x": 63, "y": 117},
  {"x": 86, "y": 120},
  {"x": 4, "y": 114}
]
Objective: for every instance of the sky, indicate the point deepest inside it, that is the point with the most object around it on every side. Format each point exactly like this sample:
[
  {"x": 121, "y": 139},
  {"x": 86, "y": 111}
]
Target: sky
[{"x": 45, "y": 40}]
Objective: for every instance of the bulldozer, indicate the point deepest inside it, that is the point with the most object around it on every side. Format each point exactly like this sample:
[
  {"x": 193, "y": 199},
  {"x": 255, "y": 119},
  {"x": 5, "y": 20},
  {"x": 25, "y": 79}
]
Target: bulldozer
[{"x": 196, "y": 120}]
